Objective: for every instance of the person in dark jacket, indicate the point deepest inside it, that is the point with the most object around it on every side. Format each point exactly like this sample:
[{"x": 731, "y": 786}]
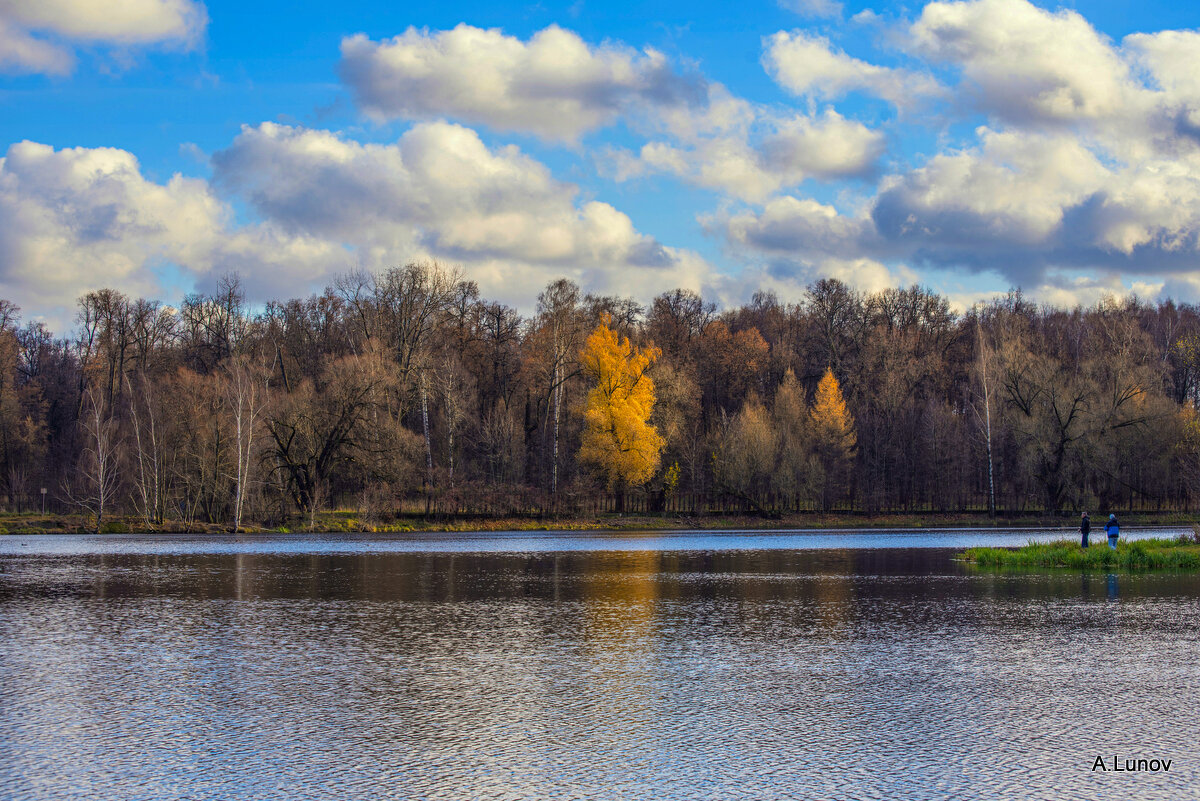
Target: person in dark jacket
[
  {"x": 1113, "y": 529},
  {"x": 1085, "y": 527}
]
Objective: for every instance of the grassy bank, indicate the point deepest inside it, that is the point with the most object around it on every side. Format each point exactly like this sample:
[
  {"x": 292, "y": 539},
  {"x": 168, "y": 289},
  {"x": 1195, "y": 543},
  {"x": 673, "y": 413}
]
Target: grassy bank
[
  {"x": 1155, "y": 554},
  {"x": 353, "y": 521}
]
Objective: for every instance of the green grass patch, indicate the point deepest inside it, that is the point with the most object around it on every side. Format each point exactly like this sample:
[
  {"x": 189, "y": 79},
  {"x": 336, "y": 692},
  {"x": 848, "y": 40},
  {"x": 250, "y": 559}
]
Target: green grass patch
[{"x": 1155, "y": 554}]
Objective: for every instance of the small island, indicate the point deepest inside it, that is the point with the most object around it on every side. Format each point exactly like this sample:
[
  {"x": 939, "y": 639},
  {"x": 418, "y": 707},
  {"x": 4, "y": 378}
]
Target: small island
[{"x": 1182, "y": 553}]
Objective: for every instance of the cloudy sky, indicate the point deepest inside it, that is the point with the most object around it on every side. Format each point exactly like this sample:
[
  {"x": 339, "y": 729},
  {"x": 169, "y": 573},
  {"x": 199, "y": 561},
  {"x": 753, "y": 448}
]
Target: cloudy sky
[{"x": 154, "y": 145}]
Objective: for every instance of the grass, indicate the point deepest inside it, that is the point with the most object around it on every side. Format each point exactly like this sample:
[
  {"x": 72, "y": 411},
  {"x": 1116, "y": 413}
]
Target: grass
[{"x": 1155, "y": 554}]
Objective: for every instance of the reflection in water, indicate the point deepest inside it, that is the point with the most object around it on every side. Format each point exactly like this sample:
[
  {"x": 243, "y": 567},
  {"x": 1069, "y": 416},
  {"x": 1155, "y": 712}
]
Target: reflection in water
[{"x": 603, "y": 674}]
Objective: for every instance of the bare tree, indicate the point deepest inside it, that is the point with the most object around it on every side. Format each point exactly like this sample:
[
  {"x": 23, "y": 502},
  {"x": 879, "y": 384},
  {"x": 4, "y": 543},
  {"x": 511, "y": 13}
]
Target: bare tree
[
  {"x": 98, "y": 476},
  {"x": 150, "y": 476},
  {"x": 246, "y": 398},
  {"x": 558, "y": 310},
  {"x": 985, "y": 372}
]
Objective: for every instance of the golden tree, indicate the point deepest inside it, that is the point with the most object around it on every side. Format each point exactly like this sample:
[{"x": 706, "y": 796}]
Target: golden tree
[
  {"x": 618, "y": 440},
  {"x": 833, "y": 429}
]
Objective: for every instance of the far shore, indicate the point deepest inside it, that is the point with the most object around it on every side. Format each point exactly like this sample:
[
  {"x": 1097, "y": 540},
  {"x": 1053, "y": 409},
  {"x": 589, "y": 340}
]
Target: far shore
[{"x": 349, "y": 521}]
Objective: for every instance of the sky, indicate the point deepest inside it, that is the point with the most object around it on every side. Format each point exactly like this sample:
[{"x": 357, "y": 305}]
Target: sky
[{"x": 154, "y": 146}]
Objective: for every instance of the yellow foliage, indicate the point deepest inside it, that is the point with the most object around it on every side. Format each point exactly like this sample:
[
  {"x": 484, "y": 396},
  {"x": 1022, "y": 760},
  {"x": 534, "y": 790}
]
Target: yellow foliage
[
  {"x": 1190, "y": 423},
  {"x": 617, "y": 439},
  {"x": 833, "y": 421}
]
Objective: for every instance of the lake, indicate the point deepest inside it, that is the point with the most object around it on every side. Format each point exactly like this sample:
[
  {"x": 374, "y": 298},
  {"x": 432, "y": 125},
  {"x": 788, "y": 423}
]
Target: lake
[{"x": 689, "y": 665}]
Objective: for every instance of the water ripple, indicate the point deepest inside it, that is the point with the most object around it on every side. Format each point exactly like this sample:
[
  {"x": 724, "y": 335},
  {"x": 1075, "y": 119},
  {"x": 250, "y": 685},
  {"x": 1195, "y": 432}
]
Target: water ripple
[{"x": 739, "y": 674}]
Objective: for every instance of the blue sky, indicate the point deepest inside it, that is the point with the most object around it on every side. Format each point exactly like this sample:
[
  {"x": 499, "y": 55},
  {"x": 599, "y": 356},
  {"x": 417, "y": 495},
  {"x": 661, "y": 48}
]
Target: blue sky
[{"x": 154, "y": 145}]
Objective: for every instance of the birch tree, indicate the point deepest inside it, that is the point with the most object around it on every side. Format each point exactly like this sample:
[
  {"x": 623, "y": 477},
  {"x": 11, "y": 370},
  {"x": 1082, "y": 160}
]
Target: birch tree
[
  {"x": 150, "y": 474},
  {"x": 98, "y": 466},
  {"x": 985, "y": 373},
  {"x": 246, "y": 399}
]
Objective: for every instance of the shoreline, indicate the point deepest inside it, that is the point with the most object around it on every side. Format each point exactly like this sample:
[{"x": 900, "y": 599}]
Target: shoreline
[{"x": 347, "y": 522}]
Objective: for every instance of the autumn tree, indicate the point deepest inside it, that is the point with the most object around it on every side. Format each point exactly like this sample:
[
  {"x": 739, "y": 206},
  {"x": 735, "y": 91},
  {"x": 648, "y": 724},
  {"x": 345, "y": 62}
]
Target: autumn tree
[
  {"x": 22, "y": 432},
  {"x": 834, "y": 437},
  {"x": 734, "y": 364},
  {"x": 798, "y": 474},
  {"x": 618, "y": 440},
  {"x": 744, "y": 455}
]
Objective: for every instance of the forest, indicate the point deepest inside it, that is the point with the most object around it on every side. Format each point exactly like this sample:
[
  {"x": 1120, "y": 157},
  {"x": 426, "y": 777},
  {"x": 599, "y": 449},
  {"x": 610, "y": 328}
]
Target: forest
[{"x": 407, "y": 393}]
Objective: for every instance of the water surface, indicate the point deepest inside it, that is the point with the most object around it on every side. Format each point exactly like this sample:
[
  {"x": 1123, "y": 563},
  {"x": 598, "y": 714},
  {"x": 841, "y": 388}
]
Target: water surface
[{"x": 645, "y": 665}]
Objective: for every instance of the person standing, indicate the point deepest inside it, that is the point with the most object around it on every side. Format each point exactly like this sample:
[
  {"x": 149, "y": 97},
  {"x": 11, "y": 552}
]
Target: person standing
[
  {"x": 1085, "y": 527},
  {"x": 1113, "y": 529}
]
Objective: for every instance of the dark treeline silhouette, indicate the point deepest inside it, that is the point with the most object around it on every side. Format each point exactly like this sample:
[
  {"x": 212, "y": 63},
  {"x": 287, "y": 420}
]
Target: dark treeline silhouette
[{"x": 406, "y": 392}]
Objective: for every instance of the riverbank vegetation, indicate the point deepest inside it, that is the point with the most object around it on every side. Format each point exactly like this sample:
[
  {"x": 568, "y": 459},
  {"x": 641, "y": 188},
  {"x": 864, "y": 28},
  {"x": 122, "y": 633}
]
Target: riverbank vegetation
[
  {"x": 353, "y": 521},
  {"x": 407, "y": 393},
  {"x": 1152, "y": 554}
]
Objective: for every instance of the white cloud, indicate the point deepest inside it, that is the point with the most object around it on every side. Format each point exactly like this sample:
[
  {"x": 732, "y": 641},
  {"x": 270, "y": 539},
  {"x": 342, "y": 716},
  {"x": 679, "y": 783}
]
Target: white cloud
[
  {"x": 82, "y": 218},
  {"x": 123, "y": 24},
  {"x": 807, "y": 64},
  {"x": 827, "y": 147},
  {"x": 1023, "y": 206},
  {"x": 1010, "y": 193},
  {"x": 559, "y": 87},
  {"x": 819, "y": 9},
  {"x": 78, "y": 219},
  {"x": 753, "y": 162},
  {"x": 22, "y": 53},
  {"x": 438, "y": 183},
  {"x": 555, "y": 85},
  {"x": 1027, "y": 64},
  {"x": 1172, "y": 58},
  {"x": 802, "y": 226}
]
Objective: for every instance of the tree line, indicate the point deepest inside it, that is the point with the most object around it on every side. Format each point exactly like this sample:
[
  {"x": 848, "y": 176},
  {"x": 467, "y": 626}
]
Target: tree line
[{"x": 406, "y": 392}]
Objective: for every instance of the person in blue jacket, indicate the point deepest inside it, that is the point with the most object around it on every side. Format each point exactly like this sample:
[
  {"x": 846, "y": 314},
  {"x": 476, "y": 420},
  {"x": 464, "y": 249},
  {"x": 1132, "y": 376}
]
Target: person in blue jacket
[{"x": 1113, "y": 529}]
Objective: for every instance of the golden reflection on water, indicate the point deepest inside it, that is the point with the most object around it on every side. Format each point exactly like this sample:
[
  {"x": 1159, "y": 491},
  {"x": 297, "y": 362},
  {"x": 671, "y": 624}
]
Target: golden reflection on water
[{"x": 619, "y": 593}]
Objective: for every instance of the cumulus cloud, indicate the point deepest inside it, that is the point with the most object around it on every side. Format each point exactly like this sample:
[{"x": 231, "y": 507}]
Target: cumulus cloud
[
  {"x": 790, "y": 225},
  {"x": 555, "y": 85},
  {"x": 558, "y": 86},
  {"x": 1053, "y": 71},
  {"x": 824, "y": 148},
  {"x": 82, "y": 218},
  {"x": 130, "y": 23},
  {"x": 809, "y": 65},
  {"x": 985, "y": 205},
  {"x": 77, "y": 219},
  {"x": 1027, "y": 64},
  {"x": 439, "y": 182},
  {"x": 764, "y": 154},
  {"x": 1172, "y": 59},
  {"x": 827, "y": 147},
  {"x": 1025, "y": 207}
]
